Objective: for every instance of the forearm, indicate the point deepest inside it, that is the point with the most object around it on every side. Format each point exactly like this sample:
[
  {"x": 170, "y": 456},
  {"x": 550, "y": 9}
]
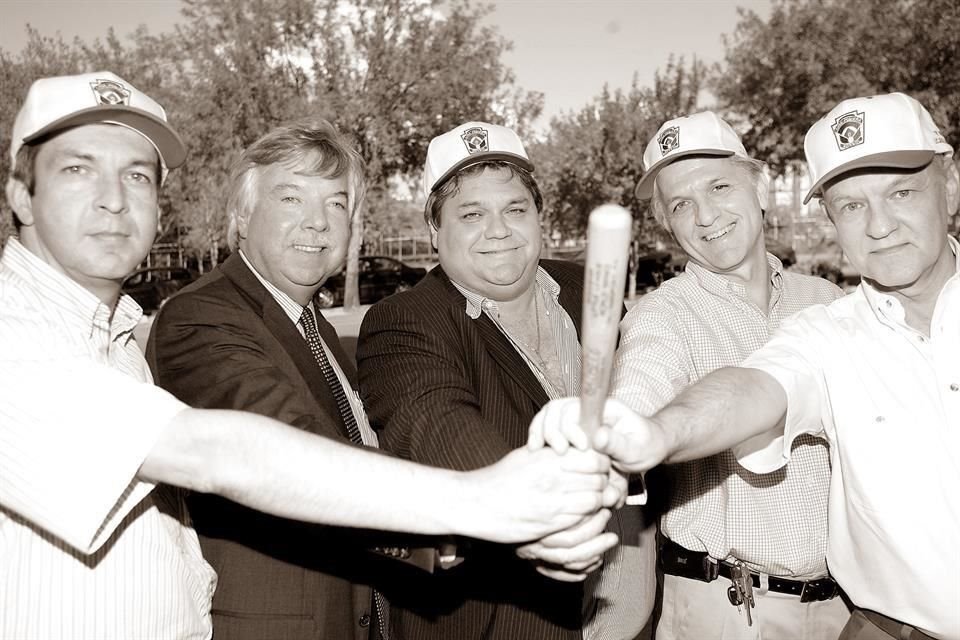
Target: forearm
[
  {"x": 723, "y": 409},
  {"x": 277, "y": 469}
]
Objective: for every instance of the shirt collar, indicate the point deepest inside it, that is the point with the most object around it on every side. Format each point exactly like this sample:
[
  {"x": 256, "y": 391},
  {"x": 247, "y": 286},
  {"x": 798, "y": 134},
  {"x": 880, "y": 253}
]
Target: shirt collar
[
  {"x": 477, "y": 303},
  {"x": 717, "y": 283},
  {"x": 888, "y": 305},
  {"x": 291, "y": 307},
  {"x": 88, "y": 311}
]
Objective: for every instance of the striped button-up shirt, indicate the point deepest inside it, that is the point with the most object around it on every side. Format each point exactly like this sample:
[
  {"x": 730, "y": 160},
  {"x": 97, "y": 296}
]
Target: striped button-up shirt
[
  {"x": 693, "y": 324},
  {"x": 86, "y": 549}
]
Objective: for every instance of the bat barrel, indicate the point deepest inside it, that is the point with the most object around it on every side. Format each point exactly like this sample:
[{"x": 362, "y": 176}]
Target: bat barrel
[{"x": 608, "y": 241}]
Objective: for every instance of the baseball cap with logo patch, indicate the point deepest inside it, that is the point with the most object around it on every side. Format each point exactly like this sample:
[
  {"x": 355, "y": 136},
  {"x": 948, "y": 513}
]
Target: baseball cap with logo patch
[
  {"x": 469, "y": 144},
  {"x": 891, "y": 130},
  {"x": 58, "y": 103},
  {"x": 698, "y": 134}
]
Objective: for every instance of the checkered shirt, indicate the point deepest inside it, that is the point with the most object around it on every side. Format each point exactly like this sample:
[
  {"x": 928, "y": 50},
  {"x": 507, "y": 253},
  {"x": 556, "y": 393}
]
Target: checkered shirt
[{"x": 695, "y": 323}]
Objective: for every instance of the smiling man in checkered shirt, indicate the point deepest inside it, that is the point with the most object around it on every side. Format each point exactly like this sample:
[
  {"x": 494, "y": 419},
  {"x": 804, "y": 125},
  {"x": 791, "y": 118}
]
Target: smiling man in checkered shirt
[{"x": 710, "y": 195}]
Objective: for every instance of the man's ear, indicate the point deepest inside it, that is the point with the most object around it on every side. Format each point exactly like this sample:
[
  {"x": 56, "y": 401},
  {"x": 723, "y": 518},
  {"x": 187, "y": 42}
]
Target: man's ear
[
  {"x": 763, "y": 191},
  {"x": 243, "y": 222},
  {"x": 952, "y": 188},
  {"x": 20, "y": 200},
  {"x": 433, "y": 235}
]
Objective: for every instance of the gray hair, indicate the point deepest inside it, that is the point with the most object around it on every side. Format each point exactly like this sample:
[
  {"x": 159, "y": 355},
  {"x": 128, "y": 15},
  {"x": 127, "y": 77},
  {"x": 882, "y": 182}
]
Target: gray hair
[{"x": 312, "y": 142}]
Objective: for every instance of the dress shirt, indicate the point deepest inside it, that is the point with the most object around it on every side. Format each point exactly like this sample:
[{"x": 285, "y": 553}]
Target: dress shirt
[
  {"x": 293, "y": 310},
  {"x": 887, "y": 397},
  {"x": 568, "y": 346},
  {"x": 87, "y": 550},
  {"x": 691, "y": 325}
]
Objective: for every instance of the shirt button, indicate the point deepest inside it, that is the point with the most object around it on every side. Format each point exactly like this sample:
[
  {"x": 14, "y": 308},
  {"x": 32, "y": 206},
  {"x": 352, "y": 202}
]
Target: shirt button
[
  {"x": 889, "y": 303},
  {"x": 880, "y": 418},
  {"x": 954, "y": 387},
  {"x": 365, "y": 620}
]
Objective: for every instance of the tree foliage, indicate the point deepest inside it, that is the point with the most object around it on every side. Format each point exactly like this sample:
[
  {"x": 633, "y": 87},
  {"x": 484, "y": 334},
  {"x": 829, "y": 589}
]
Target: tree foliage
[
  {"x": 785, "y": 72},
  {"x": 391, "y": 73},
  {"x": 594, "y": 156}
]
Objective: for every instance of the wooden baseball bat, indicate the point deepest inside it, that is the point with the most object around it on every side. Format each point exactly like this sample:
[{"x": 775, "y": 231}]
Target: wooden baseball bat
[
  {"x": 608, "y": 242},
  {"x": 608, "y": 245}
]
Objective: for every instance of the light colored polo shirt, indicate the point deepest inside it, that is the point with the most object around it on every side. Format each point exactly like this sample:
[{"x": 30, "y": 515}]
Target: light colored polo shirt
[{"x": 888, "y": 400}]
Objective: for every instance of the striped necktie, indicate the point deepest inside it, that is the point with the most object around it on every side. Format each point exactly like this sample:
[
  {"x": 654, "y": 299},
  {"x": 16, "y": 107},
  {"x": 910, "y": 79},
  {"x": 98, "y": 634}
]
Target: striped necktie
[
  {"x": 353, "y": 431},
  {"x": 333, "y": 382}
]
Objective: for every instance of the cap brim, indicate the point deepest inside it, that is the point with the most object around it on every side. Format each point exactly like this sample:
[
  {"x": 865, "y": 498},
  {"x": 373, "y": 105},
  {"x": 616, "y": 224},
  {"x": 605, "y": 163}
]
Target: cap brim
[
  {"x": 644, "y": 190},
  {"x": 887, "y": 159},
  {"x": 477, "y": 158},
  {"x": 169, "y": 145}
]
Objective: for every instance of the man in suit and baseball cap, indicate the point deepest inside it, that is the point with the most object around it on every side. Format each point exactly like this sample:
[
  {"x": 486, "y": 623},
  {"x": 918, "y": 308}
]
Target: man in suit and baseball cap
[
  {"x": 877, "y": 373},
  {"x": 88, "y": 548},
  {"x": 452, "y": 371}
]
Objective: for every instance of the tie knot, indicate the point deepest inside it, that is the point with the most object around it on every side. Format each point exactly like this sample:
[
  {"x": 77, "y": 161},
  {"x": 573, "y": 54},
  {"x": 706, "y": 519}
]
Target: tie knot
[{"x": 306, "y": 318}]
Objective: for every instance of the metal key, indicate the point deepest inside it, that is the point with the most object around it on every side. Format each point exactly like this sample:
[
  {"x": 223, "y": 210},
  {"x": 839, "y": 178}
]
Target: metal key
[
  {"x": 733, "y": 595},
  {"x": 742, "y": 580},
  {"x": 748, "y": 586}
]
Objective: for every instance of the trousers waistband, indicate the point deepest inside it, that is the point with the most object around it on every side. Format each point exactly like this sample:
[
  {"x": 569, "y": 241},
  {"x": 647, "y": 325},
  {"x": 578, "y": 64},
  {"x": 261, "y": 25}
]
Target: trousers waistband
[{"x": 696, "y": 565}]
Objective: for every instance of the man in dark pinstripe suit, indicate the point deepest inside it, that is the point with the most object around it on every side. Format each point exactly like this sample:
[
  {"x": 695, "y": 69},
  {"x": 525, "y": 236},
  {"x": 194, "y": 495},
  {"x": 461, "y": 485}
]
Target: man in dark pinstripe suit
[{"x": 452, "y": 372}]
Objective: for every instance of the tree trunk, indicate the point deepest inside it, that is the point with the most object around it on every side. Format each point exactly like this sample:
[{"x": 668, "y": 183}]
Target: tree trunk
[{"x": 351, "y": 294}]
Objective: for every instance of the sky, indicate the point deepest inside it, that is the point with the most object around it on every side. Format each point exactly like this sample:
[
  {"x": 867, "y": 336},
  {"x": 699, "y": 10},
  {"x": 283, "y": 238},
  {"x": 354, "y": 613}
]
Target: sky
[{"x": 566, "y": 49}]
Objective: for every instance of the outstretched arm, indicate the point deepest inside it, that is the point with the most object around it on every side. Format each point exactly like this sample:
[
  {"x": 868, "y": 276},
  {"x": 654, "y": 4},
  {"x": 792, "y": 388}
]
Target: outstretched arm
[
  {"x": 266, "y": 465},
  {"x": 727, "y": 407}
]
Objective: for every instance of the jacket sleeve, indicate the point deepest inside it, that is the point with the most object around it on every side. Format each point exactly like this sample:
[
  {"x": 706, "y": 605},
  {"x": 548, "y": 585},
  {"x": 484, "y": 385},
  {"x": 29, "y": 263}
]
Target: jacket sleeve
[
  {"x": 417, "y": 388},
  {"x": 216, "y": 355}
]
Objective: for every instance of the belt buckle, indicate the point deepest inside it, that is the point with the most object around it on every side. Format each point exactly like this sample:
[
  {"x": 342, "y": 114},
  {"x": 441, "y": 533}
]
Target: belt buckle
[{"x": 811, "y": 592}]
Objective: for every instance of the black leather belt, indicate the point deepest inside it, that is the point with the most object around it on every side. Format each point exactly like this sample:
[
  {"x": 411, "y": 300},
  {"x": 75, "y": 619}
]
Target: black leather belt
[{"x": 679, "y": 561}]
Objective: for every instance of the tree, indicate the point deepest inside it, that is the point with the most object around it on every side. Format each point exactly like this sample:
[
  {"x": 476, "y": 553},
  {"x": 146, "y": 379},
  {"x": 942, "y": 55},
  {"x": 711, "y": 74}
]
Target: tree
[
  {"x": 396, "y": 73},
  {"x": 594, "y": 156},
  {"x": 391, "y": 73},
  {"x": 784, "y": 73}
]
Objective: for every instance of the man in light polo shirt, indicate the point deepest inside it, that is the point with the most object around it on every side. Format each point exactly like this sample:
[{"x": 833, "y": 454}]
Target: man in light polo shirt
[
  {"x": 879, "y": 369},
  {"x": 88, "y": 549}
]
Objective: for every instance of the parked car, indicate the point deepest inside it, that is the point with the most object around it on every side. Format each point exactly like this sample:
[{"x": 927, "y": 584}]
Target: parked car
[
  {"x": 151, "y": 286},
  {"x": 380, "y": 276},
  {"x": 652, "y": 266}
]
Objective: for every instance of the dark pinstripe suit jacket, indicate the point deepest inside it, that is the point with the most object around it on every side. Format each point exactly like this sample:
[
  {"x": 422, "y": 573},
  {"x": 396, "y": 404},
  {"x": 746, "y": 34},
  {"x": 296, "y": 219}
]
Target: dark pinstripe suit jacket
[
  {"x": 450, "y": 391},
  {"x": 224, "y": 342}
]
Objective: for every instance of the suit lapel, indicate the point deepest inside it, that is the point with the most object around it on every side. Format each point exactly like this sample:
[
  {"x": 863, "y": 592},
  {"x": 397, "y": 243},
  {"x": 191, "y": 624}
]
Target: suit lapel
[
  {"x": 508, "y": 360},
  {"x": 278, "y": 324},
  {"x": 510, "y": 363}
]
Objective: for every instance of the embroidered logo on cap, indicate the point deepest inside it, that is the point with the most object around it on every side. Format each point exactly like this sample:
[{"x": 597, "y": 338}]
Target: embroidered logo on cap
[
  {"x": 475, "y": 140},
  {"x": 109, "y": 92},
  {"x": 848, "y": 129},
  {"x": 669, "y": 139}
]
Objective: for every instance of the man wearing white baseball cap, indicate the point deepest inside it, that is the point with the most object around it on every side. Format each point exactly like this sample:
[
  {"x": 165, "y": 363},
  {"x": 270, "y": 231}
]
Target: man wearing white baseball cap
[
  {"x": 876, "y": 372},
  {"x": 88, "y": 549},
  {"x": 723, "y": 525},
  {"x": 452, "y": 371}
]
